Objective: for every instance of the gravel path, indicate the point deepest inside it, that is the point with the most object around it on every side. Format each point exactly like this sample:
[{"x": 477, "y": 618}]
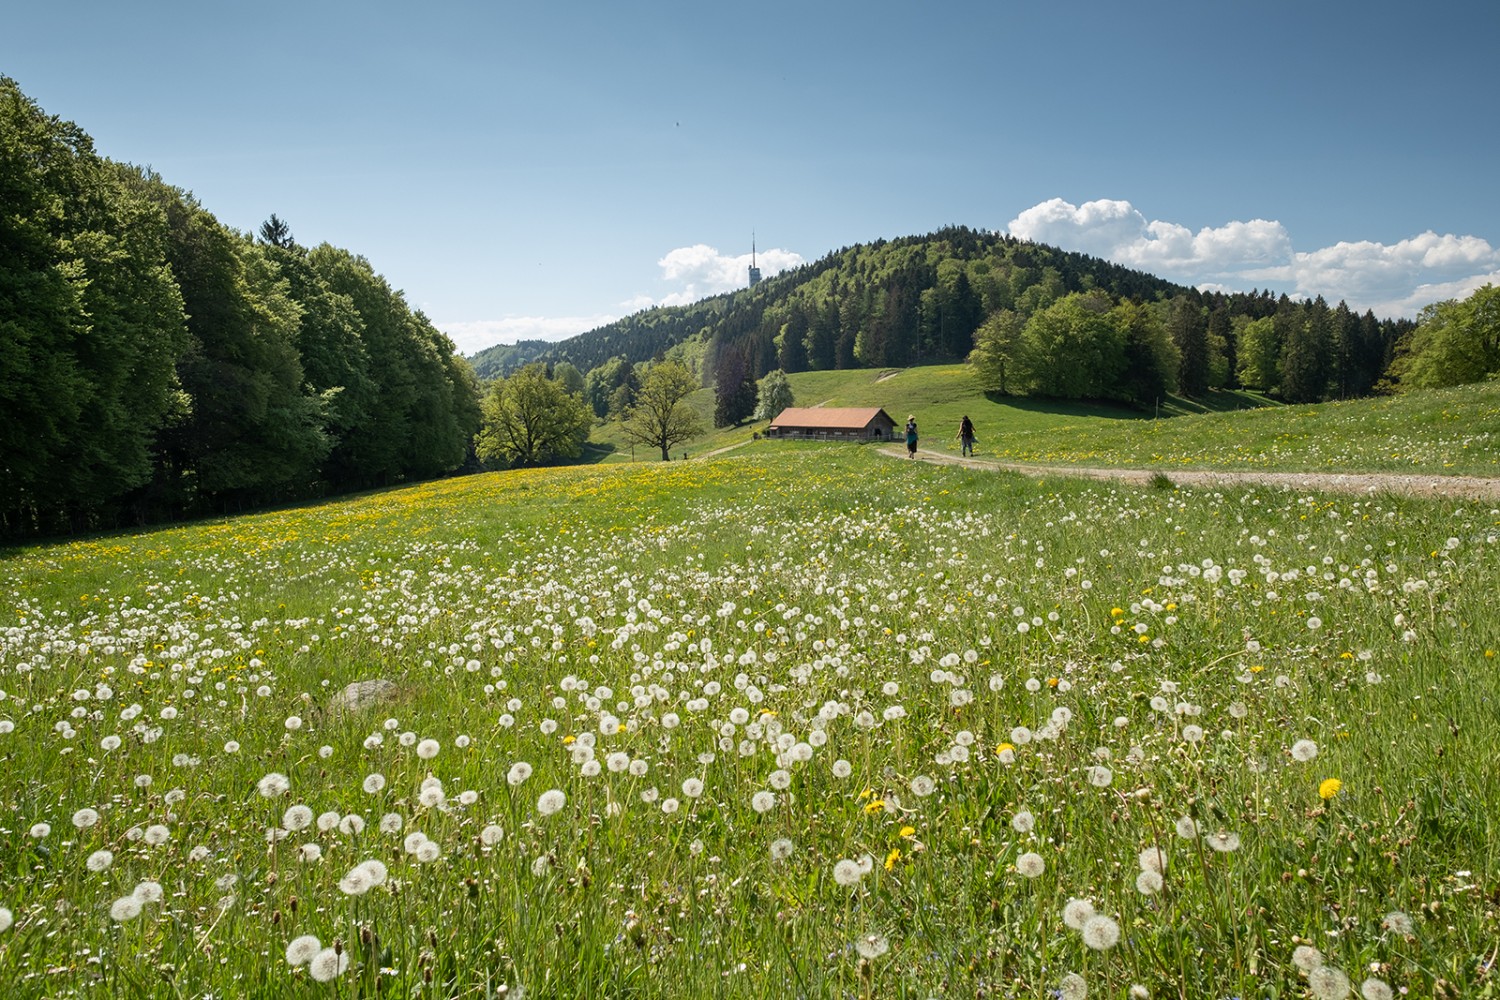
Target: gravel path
[{"x": 1466, "y": 487}]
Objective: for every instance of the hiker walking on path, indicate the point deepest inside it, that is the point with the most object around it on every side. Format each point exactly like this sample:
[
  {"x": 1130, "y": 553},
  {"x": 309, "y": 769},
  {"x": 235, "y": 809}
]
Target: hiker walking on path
[
  {"x": 966, "y": 436},
  {"x": 911, "y": 437}
]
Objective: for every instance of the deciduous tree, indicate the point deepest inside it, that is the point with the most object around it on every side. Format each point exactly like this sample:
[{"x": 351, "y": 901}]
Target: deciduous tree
[
  {"x": 661, "y": 416},
  {"x": 530, "y": 419}
]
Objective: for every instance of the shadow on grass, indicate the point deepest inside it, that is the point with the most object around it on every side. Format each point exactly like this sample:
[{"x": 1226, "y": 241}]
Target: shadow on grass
[{"x": 1171, "y": 405}]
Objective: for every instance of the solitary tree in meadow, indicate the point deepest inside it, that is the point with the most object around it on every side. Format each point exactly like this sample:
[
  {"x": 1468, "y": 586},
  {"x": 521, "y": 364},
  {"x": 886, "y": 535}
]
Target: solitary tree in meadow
[
  {"x": 530, "y": 419},
  {"x": 660, "y": 415}
]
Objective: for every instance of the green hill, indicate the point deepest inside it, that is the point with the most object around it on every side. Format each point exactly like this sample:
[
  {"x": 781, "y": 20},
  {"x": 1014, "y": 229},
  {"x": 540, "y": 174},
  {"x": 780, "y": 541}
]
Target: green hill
[{"x": 1444, "y": 432}]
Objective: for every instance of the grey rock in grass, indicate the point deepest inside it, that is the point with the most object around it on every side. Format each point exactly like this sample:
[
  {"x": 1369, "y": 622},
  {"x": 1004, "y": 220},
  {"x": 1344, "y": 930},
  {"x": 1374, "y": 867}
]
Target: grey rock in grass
[{"x": 364, "y": 694}]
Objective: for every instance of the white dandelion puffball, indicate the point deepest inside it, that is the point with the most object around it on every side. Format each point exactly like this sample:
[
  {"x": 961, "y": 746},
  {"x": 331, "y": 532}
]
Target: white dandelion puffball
[
  {"x": 412, "y": 841},
  {"x": 328, "y": 820},
  {"x": 375, "y": 870},
  {"x": 1376, "y": 989},
  {"x": 1153, "y": 859},
  {"x": 1031, "y": 864},
  {"x": 125, "y": 908},
  {"x": 6, "y": 919},
  {"x": 428, "y": 749},
  {"x": 491, "y": 835},
  {"x": 541, "y": 865},
  {"x": 298, "y": 817},
  {"x": 85, "y": 818},
  {"x": 871, "y": 946},
  {"x": 274, "y": 785},
  {"x": 1327, "y": 983},
  {"x": 923, "y": 786},
  {"x": 374, "y": 783},
  {"x": 391, "y": 823},
  {"x": 156, "y": 835},
  {"x": 1187, "y": 828},
  {"x": 763, "y": 801},
  {"x": 692, "y": 788},
  {"x": 1398, "y": 923},
  {"x": 1072, "y": 987},
  {"x": 550, "y": 802},
  {"x": 518, "y": 773},
  {"x": 1306, "y": 958},
  {"x": 356, "y": 882},
  {"x": 1100, "y": 932},
  {"x": 1304, "y": 750},
  {"x": 310, "y": 853},
  {"x": 1225, "y": 842},
  {"x": 148, "y": 892},
  {"x": 328, "y": 965},
  {"x": 99, "y": 861},
  {"x": 1100, "y": 776},
  {"x": 1149, "y": 883},
  {"x": 428, "y": 852},
  {"x": 1076, "y": 911},
  {"x": 847, "y": 873},
  {"x": 352, "y": 825},
  {"x": 842, "y": 769},
  {"x": 300, "y": 950},
  {"x": 781, "y": 849},
  {"x": 1023, "y": 821},
  {"x": 40, "y": 830}
]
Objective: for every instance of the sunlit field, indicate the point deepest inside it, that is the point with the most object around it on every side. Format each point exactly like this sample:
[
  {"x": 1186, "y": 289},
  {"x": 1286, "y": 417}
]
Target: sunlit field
[{"x": 803, "y": 721}]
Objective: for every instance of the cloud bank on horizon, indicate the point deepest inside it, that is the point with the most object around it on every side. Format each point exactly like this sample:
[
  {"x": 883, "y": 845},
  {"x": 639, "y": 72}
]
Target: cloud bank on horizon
[
  {"x": 1392, "y": 280},
  {"x": 694, "y": 272}
]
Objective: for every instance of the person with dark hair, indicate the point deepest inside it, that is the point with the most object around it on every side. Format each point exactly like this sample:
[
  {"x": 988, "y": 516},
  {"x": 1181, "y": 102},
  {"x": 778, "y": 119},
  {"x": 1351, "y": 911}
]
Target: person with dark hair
[
  {"x": 911, "y": 436},
  {"x": 966, "y": 436}
]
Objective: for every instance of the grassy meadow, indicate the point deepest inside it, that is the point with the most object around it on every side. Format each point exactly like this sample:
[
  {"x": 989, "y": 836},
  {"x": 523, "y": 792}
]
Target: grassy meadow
[
  {"x": 1437, "y": 432},
  {"x": 798, "y": 721}
]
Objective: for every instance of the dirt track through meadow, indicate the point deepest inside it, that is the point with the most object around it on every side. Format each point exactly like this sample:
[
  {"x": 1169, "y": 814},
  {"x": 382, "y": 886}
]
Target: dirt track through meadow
[{"x": 1463, "y": 487}]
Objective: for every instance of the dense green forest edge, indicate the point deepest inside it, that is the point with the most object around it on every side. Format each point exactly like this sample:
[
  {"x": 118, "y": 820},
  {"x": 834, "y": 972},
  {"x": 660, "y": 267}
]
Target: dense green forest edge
[{"x": 156, "y": 364}]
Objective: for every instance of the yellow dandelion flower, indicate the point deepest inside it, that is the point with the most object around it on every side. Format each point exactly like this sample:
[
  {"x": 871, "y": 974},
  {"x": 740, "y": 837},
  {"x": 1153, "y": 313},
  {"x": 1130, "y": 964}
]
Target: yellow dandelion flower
[
  {"x": 892, "y": 858},
  {"x": 874, "y": 806},
  {"x": 907, "y": 832},
  {"x": 1329, "y": 788}
]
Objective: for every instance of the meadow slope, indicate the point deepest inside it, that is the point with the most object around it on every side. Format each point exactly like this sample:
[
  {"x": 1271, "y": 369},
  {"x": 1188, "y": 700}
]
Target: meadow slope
[{"x": 797, "y": 721}]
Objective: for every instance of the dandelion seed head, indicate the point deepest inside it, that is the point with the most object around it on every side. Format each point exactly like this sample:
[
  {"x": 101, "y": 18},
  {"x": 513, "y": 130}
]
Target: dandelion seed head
[
  {"x": 1328, "y": 983},
  {"x": 1031, "y": 864},
  {"x": 327, "y": 965},
  {"x": 1100, "y": 932},
  {"x": 300, "y": 950},
  {"x": 1076, "y": 911}
]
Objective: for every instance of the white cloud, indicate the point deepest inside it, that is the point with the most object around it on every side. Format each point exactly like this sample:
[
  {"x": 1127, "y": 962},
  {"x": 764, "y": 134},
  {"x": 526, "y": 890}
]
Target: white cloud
[
  {"x": 477, "y": 335},
  {"x": 691, "y": 273},
  {"x": 1393, "y": 280},
  {"x": 700, "y": 270}
]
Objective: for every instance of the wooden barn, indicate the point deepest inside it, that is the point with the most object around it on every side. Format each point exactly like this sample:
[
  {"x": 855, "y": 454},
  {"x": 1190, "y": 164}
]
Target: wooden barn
[{"x": 833, "y": 423}]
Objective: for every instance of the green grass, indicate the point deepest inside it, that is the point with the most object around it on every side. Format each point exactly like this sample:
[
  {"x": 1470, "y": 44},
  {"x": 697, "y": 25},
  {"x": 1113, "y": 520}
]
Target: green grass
[
  {"x": 1436, "y": 432},
  {"x": 973, "y": 646}
]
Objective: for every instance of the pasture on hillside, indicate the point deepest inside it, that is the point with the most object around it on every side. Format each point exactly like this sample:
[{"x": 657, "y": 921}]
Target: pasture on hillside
[
  {"x": 1439, "y": 432},
  {"x": 800, "y": 721}
]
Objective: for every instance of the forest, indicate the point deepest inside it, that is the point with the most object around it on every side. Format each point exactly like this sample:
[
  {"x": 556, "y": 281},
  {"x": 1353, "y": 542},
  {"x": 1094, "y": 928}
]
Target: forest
[
  {"x": 155, "y": 363},
  {"x": 1032, "y": 319}
]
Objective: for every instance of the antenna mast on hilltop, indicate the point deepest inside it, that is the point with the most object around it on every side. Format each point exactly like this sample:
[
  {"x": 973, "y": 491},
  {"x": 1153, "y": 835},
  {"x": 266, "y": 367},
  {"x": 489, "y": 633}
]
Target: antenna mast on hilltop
[{"x": 754, "y": 271}]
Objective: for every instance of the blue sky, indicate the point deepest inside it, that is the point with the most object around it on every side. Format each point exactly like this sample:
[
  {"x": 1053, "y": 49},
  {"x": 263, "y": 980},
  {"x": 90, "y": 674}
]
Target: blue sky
[{"x": 536, "y": 169}]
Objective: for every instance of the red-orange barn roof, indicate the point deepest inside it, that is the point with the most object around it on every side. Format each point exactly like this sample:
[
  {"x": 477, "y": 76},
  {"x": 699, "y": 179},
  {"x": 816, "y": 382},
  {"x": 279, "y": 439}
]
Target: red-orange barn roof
[{"x": 833, "y": 418}]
